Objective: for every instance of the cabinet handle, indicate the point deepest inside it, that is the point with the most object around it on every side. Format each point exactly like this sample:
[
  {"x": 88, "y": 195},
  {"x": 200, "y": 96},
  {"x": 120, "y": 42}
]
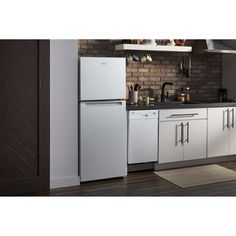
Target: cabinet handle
[
  {"x": 187, "y": 139},
  {"x": 177, "y": 135},
  {"x": 232, "y": 117},
  {"x": 182, "y": 133},
  {"x": 183, "y": 115},
  {"x": 227, "y": 120}
]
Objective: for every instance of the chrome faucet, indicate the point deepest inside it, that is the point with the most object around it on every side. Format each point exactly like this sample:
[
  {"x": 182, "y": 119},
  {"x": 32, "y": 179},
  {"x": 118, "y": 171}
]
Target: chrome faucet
[{"x": 163, "y": 96}]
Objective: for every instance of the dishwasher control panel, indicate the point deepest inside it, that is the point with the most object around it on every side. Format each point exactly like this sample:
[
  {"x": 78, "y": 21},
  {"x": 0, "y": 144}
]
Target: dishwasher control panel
[{"x": 144, "y": 114}]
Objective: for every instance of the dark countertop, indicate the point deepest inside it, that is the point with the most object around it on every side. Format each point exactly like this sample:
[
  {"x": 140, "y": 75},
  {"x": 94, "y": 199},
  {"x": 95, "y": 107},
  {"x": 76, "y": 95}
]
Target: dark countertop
[{"x": 178, "y": 105}]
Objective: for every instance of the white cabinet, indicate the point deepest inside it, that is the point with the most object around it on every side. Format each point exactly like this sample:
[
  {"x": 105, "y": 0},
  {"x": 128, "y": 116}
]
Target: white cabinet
[
  {"x": 232, "y": 133},
  {"x": 195, "y": 146},
  {"x": 217, "y": 132},
  {"x": 221, "y": 131},
  {"x": 170, "y": 147},
  {"x": 182, "y": 135},
  {"x": 142, "y": 136}
]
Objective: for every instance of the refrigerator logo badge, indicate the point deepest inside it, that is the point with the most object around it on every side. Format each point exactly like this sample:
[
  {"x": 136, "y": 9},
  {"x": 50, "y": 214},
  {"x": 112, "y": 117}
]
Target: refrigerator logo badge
[{"x": 103, "y": 63}]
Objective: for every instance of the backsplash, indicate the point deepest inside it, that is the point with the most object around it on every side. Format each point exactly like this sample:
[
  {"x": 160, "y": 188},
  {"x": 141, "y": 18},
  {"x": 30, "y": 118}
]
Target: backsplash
[{"x": 204, "y": 82}]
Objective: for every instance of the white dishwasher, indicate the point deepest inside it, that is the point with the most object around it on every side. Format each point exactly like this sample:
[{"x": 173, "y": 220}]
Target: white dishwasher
[{"x": 142, "y": 136}]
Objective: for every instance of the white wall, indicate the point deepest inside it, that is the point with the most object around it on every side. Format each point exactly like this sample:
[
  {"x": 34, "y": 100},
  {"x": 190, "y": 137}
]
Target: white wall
[
  {"x": 229, "y": 71},
  {"x": 64, "y": 113}
]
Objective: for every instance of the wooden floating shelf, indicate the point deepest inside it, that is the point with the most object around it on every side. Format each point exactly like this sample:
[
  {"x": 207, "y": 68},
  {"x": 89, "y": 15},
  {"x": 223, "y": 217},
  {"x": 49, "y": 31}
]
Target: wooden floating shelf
[{"x": 146, "y": 47}]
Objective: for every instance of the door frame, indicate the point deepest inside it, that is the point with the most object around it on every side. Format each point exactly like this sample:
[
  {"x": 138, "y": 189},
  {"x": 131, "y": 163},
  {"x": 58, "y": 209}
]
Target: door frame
[{"x": 41, "y": 181}]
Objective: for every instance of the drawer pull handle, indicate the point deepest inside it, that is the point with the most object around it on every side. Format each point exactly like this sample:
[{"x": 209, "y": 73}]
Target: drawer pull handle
[{"x": 183, "y": 115}]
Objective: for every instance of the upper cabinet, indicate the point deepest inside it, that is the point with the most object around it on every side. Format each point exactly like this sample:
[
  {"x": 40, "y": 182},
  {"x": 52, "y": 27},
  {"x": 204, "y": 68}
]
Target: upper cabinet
[{"x": 147, "y": 47}]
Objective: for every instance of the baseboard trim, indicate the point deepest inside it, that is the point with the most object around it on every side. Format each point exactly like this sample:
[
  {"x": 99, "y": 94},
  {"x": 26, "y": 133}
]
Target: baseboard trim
[{"x": 67, "y": 181}]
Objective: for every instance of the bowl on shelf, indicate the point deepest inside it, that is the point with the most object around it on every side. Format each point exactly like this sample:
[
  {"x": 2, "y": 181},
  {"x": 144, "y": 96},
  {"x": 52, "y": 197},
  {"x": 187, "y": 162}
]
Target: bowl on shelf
[{"x": 149, "y": 41}]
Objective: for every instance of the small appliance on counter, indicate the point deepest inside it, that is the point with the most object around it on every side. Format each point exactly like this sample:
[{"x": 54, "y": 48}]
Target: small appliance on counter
[{"x": 223, "y": 95}]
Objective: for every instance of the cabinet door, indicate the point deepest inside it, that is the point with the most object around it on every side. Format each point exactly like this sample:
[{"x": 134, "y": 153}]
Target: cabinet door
[
  {"x": 142, "y": 141},
  {"x": 232, "y": 136},
  {"x": 218, "y": 133},
  {"x": 195, "y": 139},
  {"x": 103, "y": 140},
  {"x": 170, "y": 147}
]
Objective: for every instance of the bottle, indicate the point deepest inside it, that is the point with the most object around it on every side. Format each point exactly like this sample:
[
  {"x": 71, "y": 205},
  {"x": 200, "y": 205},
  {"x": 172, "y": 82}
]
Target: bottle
[
  {"x": 182, "y": 97},
  {"x": 187, "y": 94}
]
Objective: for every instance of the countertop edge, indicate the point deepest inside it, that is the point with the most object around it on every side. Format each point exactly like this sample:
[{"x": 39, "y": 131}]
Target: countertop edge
[{"x": 179, "y": 106}]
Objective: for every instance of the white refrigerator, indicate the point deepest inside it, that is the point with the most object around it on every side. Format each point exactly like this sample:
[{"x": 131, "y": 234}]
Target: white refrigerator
[{"x": 102, "y": 118}]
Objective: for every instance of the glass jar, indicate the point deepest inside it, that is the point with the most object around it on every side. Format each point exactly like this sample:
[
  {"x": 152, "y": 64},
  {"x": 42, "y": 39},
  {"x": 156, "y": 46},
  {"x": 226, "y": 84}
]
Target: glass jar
[{"x": 187, "y": 94}]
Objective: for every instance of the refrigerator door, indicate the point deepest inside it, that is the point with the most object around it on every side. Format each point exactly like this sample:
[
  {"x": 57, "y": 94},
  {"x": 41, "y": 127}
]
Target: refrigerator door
[
  {"x": 103, "y": 140},
  {"x": 102, "y": 78}
]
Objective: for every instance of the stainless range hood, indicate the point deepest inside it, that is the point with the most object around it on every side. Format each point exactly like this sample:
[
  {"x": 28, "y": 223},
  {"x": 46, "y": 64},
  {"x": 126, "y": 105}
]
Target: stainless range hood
[{"x": 216, "y": 46}]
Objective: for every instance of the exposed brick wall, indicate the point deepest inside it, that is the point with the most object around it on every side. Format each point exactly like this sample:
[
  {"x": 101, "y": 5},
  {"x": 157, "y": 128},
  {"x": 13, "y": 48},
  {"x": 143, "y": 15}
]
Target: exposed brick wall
[{"x": 204, "y": 82}]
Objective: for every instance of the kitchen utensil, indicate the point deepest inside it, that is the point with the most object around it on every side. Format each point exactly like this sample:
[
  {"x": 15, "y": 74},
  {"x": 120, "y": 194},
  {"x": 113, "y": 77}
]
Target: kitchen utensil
[
  {"x": 185, "y": 67},
  {"x": 128, "y": 88},
  {"x": 189, "y": 65},
  {"x": 136, "y": 86},
  {"x": 181, "y": 65},
  {"x": 131, "y": 87}
]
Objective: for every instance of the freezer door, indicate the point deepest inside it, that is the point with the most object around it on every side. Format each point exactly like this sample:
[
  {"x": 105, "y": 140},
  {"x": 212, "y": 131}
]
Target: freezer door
[
  {"x": 102, "y": 78},
  {"x": 103, "y": 140}
]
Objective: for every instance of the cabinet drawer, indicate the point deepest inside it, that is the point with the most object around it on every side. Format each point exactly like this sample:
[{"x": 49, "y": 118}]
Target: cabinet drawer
[
  {"x": 183, "y": 114},
  {"x": 143, "y": 114}
]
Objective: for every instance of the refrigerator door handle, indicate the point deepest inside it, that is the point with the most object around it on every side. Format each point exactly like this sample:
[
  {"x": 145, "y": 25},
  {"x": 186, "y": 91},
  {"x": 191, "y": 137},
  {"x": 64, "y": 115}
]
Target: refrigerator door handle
[{"x": 104, "y": 103}]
